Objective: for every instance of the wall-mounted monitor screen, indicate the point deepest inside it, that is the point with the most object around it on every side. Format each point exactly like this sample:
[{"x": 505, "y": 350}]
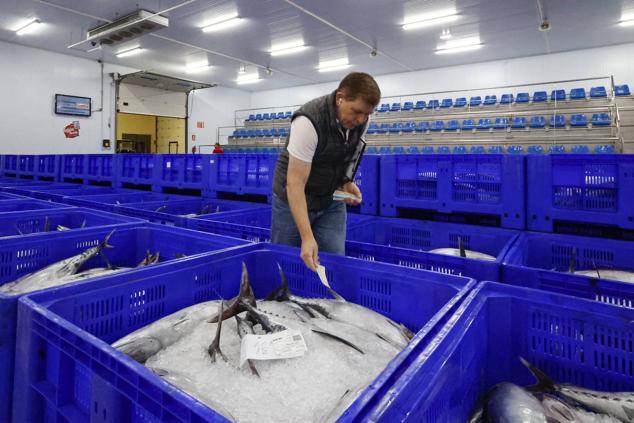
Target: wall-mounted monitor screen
[{"x": 72, "y": 105}]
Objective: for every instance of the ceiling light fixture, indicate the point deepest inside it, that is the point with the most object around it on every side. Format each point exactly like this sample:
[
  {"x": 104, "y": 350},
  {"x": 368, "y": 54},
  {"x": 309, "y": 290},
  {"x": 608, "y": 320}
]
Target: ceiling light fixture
[
  {"x": 29, "y": 27},
  {"x": 430, "y": 19},
  {"x": 333, "y": 65},
  {"x": 288, "y": 48},
  {"x": 129, "y": 52},
  {"x": 446, "y": 35},
  {"x": 222, "y": 22},
  {"x": 626, "y": 20},
  {"x": 197, "y": 67},
  {"x": 459, "y": 45},
  {"x": 242, "y": 70},
  {"x": 248, "y": 79}
]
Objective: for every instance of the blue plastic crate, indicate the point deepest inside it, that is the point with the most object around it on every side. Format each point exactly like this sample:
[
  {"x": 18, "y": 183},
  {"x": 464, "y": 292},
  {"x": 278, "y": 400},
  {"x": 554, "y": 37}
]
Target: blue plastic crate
[
  {"x": 581, "y": 189},
  {"x": 542, "y": 261},
  {"x": 26, "y": 165},
  {"x": 185, "y": 171},
  {"x": 10, "y": 164},
  {"x": 66, "y": 349},
  {"x": 252, "y": 225},
  {"x": 24, "y": 255},
  {"x": 21, "y": 205},
  {"x": 47, "y": 167},
  {"x": 136, "y": 169},
  {"x": 258, "y": 174},
  {"x": 33, "y": 222},
  {"x": 9, "y": 196},
  {"x": 475, "y": 184},
  {"x": 29, "y": 189},
  {"x": 60, "y": 193},
  {"x": 570, "y": 339},
  {"x": 73, "y": 167},
  {"x": 367, "y": 179},
  {"x": 407, "y": 242},
  {"x": 109, "y": 202},
  {"x": 100, "y": 168},
  {"x": 172, "y": 212},
  {"x": 225, "y": 173}
]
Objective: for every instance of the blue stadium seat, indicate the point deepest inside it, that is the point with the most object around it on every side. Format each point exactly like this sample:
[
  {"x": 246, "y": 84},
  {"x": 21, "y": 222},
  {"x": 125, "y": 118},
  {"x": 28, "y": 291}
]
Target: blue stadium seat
[
  {"x": 281, "y": 115},
  {"x": 266, "y": 132},
  {"x": 578, "y": 94},
  {"x": 484, "y": 124},
  {"x": 372, "y": 150},
  {"x": 396, "y": 107},
  {"x": 258, "y": 116},
  {"x": 537, "y": 122},
  {"x": 535, "y": 149},
  {"x": 558, "y": 95},
  {"x": 557, "y": 149},
  {"x": 273, "y": 116},
  {"x": 398, "y": 150},
  {"x": 259, "y": 132},
  {"x": 475, "y": 101},
  {"x": 385, "y": 150},
  {"x": 453, "y": 125},
  {"x": 283, "y": 132},
  {"x": 446, "y": 102},
  {"x": 251, "y": 117},
  {"x": 265, "y": 116},
  {"x": 519, "y": 122},
  {"x": 407, "y": 106},
  {"x": 250, "y": 133},
  {"x": 539, "y": 96},
  {"x": 420, "y": 104},
  {"x": 288, "y": 115},
  {"x": 580, "y": 149},
  {"x": 558, "y": 121},
  {"x": 443, "y": 149},
  {"x": 409, "y": 127},
  {"x": 372, "y": 128},
  {"x": 275, "y": 132},
  {"x": 468, "y": 124},
  {"x": 460, "y": 102},
  {"x": 490, "y": 100},
  {"x": 383, "y": 129},
  {"x": 601, "y": 119},
  {"x": 622, "y": 90},
  {"x": 515, "y": 149},
  {"x": 506, "y": 99},
  {"x": 422, "y": 126},
  {"x": 522, "y": 98},
  {"x": 395, "y": 128},
  {"x": 384, "y": 108},
  {"x": 236, "y": 133},
  {"x": 477, "y": 149},
  {"x": 501, "y": 123},
  {"x": 438, "y": 125},
  {"x": 459, "y": 149},
  {"x": 412, "y": 149},
  {"x": 598, "y": 92},
  {"x": 604, "y": 149},
  {"x": 244, "y": 133},
  {"x": 428, "y": 149},
  {"x": 496, "y": 149},
  {"x": 578, "y": 120},
  {"x": 433, "y": 104}
]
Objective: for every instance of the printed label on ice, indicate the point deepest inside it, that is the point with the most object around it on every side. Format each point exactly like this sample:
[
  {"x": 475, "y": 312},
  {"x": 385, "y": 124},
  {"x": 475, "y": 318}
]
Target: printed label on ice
[{"x": 285, "y": 344}]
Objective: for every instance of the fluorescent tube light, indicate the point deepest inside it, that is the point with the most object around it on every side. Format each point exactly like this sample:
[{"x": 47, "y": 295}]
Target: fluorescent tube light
[
  {"x": 29, "y": 27},
  {"x": 288, "y": 48},
  {"x": 222, "y": 22},
  {"x": 430, "y": 19},
  {"x": 129, "y": 52},
  {"x": 248, "y": 78},
  {"x": 333, "y": 65}
]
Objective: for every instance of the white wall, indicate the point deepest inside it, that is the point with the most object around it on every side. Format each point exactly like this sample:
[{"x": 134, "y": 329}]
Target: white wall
[
  {"x": 215, "y": 107},
  {"x": 29, "y": 80},
  {"x": 614, "y": 60}
]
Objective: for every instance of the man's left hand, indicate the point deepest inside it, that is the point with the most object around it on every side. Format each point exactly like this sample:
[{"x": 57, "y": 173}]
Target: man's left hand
[{"x": 353, "y": 189}]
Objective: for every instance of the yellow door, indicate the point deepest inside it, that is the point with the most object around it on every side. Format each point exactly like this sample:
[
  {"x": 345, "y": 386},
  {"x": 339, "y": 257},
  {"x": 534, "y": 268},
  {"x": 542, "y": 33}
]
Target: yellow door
[
  {"x": 170, "y": 135},
  {"x": 136, "y": 133}
]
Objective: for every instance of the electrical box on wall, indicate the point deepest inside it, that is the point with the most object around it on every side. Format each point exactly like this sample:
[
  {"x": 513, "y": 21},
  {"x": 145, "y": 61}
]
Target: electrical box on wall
[{"x": 105, "y": 144}]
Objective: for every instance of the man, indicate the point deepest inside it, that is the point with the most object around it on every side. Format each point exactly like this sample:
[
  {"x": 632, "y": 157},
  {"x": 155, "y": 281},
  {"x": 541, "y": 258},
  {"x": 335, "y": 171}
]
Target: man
[
  {"x": 217, "y": 149},
  {"x": 320, "y": 155}
]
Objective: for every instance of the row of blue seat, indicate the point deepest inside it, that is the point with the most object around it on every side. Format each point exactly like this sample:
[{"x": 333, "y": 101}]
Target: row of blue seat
[
  {"x": 272, "y": 132},
  {"x": 490, "y": 100},
  {"x": 269, "y": 116},
  {"x": 494, "y": 149},
  {"x": 518, "y": 122}
]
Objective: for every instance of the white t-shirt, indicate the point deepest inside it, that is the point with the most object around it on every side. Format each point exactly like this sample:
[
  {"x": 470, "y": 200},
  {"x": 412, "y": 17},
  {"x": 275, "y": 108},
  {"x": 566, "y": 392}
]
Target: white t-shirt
[{"x": 303, "y": 139}]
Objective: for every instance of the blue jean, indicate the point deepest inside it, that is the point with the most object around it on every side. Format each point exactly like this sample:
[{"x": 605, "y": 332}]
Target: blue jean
[{"x": 329, "y": 226}]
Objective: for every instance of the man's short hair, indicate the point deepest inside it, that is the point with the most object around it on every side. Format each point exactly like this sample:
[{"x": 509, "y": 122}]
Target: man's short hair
[{"x": 360, "y": 85}]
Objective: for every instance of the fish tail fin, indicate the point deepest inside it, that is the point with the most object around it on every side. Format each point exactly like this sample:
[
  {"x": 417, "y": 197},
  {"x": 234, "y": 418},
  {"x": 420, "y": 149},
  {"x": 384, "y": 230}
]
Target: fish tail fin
[
  {"x": 104, "y": 243},
  {"x": 280, "y": 293},
  {"x": 47, "y": 224},
  {"x": 461, "y": 248},
  {"x": 573, "y": 261},
  {"x": 544, "y": 383}
]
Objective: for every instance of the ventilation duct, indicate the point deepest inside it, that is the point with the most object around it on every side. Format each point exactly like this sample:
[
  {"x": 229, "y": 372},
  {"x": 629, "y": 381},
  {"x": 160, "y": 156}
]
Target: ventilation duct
[{"x": 127, "y": 28}]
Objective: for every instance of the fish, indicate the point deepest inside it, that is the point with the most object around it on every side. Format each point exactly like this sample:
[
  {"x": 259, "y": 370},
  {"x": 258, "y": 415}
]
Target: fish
[
  {"x": 507, "y": 403},
  {"x": 616, "y": 404},
  {"x": 62, "y": 228},
  {"x": 468, "y": 253},
  {"x": 149, "y": 259},
  {"x": 613, "y": 274},
  {"x": 54, "y": 274}
]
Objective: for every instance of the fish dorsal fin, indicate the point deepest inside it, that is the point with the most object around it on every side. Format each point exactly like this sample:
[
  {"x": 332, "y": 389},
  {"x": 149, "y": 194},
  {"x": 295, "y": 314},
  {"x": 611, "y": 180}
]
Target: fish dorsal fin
[
  {"x": 280, "y": 293},
  {"x": 461, "y": 248},
  {"x": 544, "y": 383},
  {"x": 573, "y": 261},
  {"x": 246, "y": 292},
  {"x": 47, "y": 224},
  {"x": 596, "y": 269},
  {"x": 104, "y": 243}
]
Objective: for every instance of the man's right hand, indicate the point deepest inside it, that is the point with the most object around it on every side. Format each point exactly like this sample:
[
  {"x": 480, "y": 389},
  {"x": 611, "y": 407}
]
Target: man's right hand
[{"x": 309, "y": 253}]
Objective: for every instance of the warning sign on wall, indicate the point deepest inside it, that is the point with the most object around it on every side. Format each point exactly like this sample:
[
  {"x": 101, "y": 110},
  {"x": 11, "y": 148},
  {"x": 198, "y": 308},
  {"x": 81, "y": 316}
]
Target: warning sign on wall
[
  {"x": 200, "y": 124},
  {"x": 72, "y": 129},
  {"x": 193, "y": 137}
]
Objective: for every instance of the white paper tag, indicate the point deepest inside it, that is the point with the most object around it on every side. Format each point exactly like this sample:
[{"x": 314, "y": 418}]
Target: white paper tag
[
  {"x": 342, "y": 195},
  {"x": 274, "y": 346},
  {"x": 168, "y": 165},
  {"x": 321, "y": 272}
]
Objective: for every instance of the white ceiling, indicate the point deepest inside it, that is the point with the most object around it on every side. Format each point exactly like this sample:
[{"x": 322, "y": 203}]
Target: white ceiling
[{"x": 331, "y": 29}]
